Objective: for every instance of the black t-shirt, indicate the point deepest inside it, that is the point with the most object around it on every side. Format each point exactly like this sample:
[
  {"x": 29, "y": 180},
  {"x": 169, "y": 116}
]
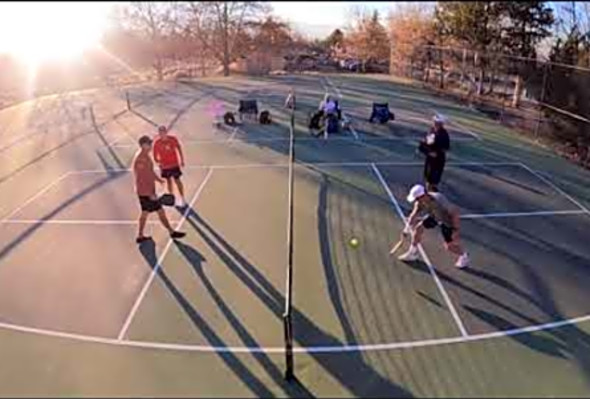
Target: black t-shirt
[{"x": 438, "y": 142}]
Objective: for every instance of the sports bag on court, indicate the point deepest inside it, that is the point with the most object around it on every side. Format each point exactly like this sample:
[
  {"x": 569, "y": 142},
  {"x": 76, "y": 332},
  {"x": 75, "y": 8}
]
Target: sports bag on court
[{"x": 265, "y": 118}]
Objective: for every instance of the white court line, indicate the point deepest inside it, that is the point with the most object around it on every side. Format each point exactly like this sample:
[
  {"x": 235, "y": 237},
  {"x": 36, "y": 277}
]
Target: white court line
[
  {"x": 352, "y": 129},
  {"x": 298, "y": 349},
  {"x": 113, "y": 143},
  {"x": 233, "y": 134},
  {"x": 285, "y": 165},
  {"x": 36, "y": 196},
  {"x": 559, "y": 190},
  {"x": 157, "y": 267},
  {"x": 519, "y": 214},
  {"x": 79, "y": 221},
  {"x": 439, "y": 284},
  {"x": 299, "y": 139}
]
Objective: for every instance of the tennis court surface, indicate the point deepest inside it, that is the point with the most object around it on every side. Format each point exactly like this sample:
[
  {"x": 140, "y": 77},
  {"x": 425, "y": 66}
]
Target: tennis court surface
[{"x": 86, "y": 311}]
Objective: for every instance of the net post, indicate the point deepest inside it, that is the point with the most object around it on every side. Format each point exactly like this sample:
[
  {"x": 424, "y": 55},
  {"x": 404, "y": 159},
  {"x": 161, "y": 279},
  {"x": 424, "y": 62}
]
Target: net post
[
  {"x": 288, "y": 330},
  {"x": 287, "y": 316}
]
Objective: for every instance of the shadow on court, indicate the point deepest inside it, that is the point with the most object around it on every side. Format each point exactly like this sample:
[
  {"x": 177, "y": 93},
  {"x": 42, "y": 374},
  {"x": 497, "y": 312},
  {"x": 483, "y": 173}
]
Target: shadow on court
[
  {"x": 148, "y": 251},
  {"x": 349, "y": 369},
  {"x": 522, "y": 279}
]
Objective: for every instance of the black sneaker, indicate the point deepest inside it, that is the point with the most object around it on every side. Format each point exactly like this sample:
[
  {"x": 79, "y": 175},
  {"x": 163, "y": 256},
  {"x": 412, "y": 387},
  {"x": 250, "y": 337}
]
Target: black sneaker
[
  {"x": 177, "y": 234},
  {"x": 141, "y": 239}
]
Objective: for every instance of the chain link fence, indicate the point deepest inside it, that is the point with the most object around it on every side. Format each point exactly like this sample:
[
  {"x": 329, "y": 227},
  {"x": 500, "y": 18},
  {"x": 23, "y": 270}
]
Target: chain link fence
[{"x": 548, "y": 100}]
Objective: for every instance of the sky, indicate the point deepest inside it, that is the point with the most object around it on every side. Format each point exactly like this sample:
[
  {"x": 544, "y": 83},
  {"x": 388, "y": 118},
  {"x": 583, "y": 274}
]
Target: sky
[
  {"x": 320, "y": 18},
  {"x": 21, "y": 22}
]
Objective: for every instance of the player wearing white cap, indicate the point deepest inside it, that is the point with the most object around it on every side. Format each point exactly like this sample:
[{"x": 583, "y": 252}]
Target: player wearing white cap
[{"x": 432, "y": 210}]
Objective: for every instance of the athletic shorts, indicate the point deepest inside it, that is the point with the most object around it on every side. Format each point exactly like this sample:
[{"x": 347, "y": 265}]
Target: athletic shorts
[
  {"x": 172, "y": 172},
  {"x": 149, "y": 205},
  {"x": 446, "y": 231}
]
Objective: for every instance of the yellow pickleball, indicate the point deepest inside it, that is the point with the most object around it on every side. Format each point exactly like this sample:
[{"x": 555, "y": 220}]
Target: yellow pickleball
[{"x": 354, "y": 242}]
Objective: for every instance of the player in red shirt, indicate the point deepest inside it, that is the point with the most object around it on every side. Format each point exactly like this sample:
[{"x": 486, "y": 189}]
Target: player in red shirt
[
  {"x": 168, "y": 154},
  {"x": 145, "y": 187}
]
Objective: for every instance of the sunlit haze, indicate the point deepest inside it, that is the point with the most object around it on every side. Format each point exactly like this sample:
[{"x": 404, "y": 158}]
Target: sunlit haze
[{"x": 40, "y": 31}]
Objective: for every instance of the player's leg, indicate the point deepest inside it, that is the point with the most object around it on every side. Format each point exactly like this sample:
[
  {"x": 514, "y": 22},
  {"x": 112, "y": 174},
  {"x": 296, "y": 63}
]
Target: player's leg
[
  {"x": 145, "y": 205},
  {"x": 169, "y": 185},
  {"x": 164, "y": 220},
  {"x": 166, "y": 224},
  {"x": 436, "y": 171},
  {"x": 453, "y": 244},
  {"x": 176, "y": 174},
  {"x": 141, "y": 227},
  {"x": 427, "y": 172},
  {"x": 180, "y": 187}
]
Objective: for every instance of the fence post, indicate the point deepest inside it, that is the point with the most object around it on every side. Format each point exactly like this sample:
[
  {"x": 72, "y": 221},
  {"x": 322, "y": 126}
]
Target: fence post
[
  {"x": 541, "y": 101},
  {"x": 463, "y": 65},
  {"x": 442, "y": 70}
]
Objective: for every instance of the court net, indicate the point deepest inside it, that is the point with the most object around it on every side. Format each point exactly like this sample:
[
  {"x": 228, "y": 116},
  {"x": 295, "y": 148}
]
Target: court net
[{"x": 287, "y": 315}]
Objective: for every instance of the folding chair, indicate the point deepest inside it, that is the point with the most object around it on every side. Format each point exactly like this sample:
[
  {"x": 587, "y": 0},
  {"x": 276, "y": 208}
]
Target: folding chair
[
  {"x": 248, "y": 108},
  {"x": 381, "y": 113}
]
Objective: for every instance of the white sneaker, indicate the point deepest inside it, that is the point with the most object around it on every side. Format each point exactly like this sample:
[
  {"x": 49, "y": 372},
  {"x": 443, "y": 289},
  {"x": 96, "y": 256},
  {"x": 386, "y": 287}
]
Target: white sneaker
[
  {"x": 463, "y": 261},
  {"x": 181, "y": 202},
  {"x": 410, "y": 255}
]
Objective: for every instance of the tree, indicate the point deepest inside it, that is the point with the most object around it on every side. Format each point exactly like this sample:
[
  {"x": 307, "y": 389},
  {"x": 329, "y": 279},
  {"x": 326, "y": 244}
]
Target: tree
[
  {"x": 410, "y": 28},
  {"x": 524, "y": 25},
  {"x": 573, "y": 33},
  {"x": 473, "y": 24},
  {"x": 270, "y": 35},
  {"x": 220, "y": 26},
  {"x": 368, "y": 38},
  {"x": 151, "y": 21},
  {"x": 567, "y": 88},
  {"x": 335, "y": 42}
]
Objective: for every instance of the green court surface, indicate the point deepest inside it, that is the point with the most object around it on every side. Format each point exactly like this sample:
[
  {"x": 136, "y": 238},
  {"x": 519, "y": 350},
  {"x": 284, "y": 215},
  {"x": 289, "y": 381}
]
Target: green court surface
[{"x": 85, "y": 311}]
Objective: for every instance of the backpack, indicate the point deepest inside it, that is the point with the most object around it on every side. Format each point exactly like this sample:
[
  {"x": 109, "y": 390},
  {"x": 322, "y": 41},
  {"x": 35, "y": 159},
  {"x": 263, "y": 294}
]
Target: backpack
[
  {"x": 229, "y": 119},
  {"x": 265, "y": 118}
]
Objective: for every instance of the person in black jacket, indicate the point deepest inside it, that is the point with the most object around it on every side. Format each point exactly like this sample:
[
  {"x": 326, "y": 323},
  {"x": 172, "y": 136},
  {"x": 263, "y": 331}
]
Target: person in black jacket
[{"x": 434, "y": 147}]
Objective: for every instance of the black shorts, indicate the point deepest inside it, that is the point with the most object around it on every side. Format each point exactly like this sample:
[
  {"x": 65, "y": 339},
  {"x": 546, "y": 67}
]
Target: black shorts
[
  {"x": 172, "y": 172},
  {"x": 149, "y": 205},
  {"x": 446, "y": 231}
]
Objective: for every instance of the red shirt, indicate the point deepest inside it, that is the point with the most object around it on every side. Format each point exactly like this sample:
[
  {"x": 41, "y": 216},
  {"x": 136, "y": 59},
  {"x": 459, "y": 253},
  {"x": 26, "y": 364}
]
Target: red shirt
[
  {"x": 166, "y": 151},
  {"x": 145, "y": 178}
]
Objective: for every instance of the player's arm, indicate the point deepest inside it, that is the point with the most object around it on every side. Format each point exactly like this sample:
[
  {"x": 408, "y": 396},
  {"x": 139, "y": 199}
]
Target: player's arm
[
  {"x": 155, "y": 175},
  {"x": 413, "y": 218},
  {"x": 180, "y": 153},
  {"x": 456, "y": 218},
  {"x": 156, "y": 152}
]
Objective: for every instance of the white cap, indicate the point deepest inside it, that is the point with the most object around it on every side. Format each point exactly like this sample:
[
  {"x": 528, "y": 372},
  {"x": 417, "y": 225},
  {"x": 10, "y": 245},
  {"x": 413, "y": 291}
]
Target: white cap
[
  {"x": 416, "y": 192},
  {"x": 438, "y": 118}
]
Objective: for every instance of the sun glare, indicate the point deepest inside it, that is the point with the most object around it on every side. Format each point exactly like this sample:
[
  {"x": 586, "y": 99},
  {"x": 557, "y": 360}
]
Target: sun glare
[{"x": 50, "y": 31}]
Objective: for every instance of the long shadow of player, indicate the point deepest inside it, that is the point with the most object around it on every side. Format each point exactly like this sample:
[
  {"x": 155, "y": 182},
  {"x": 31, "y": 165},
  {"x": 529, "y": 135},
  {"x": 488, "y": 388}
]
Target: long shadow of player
[
  {"x": 195, "y": 259},
  {"x": 148, "y": 251},
  {"x": 350, "y": 369}
]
